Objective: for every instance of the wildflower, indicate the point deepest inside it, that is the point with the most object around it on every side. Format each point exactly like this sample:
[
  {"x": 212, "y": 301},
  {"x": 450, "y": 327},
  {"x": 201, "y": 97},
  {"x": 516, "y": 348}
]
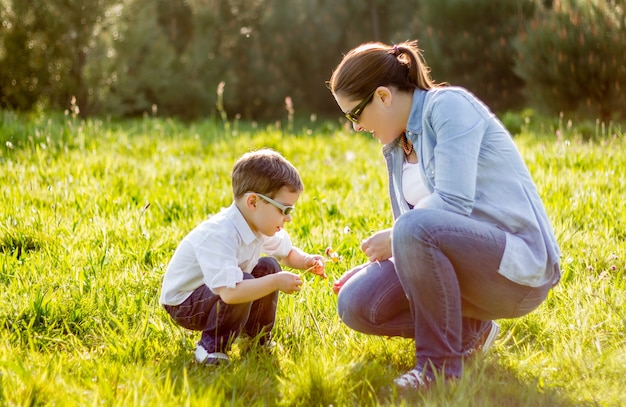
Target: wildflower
[{"x": 332, "y": 255}]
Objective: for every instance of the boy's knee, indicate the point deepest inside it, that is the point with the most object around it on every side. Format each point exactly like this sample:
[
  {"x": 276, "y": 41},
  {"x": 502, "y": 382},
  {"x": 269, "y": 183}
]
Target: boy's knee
[{"x": 266, "y": 265}]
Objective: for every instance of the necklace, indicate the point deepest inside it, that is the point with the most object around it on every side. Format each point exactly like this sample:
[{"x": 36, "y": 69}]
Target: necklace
[{"x": 407, "y": 146}]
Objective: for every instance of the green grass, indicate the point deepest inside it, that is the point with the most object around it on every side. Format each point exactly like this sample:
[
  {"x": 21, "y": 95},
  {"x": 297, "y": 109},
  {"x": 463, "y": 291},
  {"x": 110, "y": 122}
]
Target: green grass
[{"x": 82, "y": 255}]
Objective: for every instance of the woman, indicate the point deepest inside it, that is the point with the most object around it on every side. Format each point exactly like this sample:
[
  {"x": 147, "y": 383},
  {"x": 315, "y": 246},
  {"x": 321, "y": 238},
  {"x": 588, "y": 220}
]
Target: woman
[{"x": 471, "y": 241}]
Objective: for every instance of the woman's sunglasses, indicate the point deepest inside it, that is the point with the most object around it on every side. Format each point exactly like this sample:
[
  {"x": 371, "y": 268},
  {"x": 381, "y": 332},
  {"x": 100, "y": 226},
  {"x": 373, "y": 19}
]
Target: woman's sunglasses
[{"x": 354, "y": 114}]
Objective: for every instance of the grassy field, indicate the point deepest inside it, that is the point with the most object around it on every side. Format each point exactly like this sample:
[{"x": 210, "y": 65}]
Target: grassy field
[{"x": 91, "y": 211}]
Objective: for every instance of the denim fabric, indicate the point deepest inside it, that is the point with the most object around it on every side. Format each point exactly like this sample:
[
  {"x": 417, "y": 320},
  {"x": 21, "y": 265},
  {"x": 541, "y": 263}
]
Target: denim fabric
[
  {"x": 441, "y": 287},
  {"x": 471, "y": 166},
  {"x": 220, "y": 322},
  {"x": 216, "y": 253}
]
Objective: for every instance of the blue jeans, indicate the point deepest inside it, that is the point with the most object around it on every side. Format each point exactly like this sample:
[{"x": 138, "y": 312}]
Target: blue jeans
[
  {"x": 441, "y": 287},
  {"x": 221, "y": 323}
]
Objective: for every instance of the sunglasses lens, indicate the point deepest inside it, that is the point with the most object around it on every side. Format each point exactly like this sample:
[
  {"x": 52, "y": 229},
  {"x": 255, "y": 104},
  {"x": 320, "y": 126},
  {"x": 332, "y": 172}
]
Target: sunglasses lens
[{"x": 287, "y": 210}]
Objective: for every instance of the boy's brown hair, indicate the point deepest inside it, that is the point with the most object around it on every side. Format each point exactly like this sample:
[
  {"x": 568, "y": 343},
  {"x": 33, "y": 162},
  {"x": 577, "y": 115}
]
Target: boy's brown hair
[{"x": 264, "y": 171}]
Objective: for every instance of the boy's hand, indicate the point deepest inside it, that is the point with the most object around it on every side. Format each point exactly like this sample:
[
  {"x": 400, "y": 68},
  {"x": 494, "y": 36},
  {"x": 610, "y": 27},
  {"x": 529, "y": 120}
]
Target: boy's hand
[
  {"x": 315, "y": 265},
  {"x": 288, "y": 282}
]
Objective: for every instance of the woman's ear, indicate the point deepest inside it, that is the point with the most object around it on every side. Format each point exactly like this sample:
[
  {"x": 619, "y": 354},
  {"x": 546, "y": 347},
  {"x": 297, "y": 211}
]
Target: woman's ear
[{"x": 384, "y": 94}]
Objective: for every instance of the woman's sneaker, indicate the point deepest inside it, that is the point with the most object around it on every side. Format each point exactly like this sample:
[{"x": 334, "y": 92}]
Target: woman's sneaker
[
  {"x": 486, "y": 341},
  {"x": 206, "y": 358},
  {"x": 413, "y": 379}
]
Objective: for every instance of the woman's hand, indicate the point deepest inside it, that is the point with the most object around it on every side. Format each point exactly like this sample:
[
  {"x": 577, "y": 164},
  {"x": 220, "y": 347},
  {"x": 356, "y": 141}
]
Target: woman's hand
[
  {"x": 378, "y": 246},
  {"x": 346, "y": 276}
]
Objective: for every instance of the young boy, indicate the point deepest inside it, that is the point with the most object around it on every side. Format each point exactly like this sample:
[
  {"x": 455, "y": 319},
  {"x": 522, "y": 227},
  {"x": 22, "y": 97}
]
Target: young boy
[{"x": 217, "y": 282}]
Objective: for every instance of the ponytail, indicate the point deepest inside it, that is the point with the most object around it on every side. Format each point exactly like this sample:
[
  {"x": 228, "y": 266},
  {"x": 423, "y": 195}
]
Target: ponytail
[{"x": 374, "y": 64}]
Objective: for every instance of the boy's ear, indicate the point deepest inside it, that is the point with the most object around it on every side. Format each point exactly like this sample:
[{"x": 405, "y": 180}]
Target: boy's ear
[{"x": 251, "y": 200}]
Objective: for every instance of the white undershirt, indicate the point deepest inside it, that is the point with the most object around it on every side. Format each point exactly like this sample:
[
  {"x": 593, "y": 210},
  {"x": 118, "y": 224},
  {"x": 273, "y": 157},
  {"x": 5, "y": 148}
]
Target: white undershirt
[{"x": 413, "y": 188}]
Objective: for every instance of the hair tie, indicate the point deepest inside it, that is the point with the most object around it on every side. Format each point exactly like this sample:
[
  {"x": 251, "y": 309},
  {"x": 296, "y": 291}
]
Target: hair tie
[{"x": 396, "y": 51}]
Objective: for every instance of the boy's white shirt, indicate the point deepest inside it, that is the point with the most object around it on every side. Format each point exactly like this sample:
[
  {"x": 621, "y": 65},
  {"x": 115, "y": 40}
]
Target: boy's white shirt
[{"x": 216, "y": 253}]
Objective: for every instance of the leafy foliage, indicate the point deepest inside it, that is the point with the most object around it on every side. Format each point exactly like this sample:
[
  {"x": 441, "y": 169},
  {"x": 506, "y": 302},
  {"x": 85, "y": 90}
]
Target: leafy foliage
[
  {"x": 46, "y": 45},
  {"x": 470, "y": 43},
  {"x": 572, "y": 59},
  {"x": 271, "y": 58}
]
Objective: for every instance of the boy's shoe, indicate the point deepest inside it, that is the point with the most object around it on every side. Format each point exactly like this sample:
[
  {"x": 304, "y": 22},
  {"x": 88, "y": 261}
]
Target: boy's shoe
[
  {"x": 206, "y": 358},
  {"x": 269, "y": 345},
  {"x": 247, "y": 343},
  {"x": 266, "y": 341},
  {"x": 486, "y": 341},
  {"x": 412, "y": 380}
]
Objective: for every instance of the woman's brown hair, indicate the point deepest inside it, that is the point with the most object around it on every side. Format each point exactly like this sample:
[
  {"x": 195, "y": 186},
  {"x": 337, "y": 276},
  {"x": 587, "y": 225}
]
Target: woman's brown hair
[{"x": 375, "y": 64}]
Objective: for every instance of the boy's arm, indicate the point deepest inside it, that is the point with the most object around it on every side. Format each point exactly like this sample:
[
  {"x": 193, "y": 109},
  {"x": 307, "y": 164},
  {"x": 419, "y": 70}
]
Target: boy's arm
[
  {"x": 253, "y": 289},
  {"x": 298, "y": 259}
]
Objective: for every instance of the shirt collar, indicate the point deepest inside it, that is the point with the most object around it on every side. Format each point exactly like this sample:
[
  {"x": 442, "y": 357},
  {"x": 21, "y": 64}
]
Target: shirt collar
[
  {"x": 414, "y": 125},
  {"x": 242, "y": 227}
]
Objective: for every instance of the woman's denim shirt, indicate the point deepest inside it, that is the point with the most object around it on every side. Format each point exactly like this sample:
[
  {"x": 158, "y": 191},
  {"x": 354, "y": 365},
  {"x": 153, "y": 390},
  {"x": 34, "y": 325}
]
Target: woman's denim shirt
[{"x": 472, "y": 167}]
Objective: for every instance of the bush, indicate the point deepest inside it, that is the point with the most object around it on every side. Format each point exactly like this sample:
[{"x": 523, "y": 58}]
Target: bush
[
  {"x": 572, "y": 60},
  {"x": 470, "y": 43},
  {"x": 132, "y": 57},
  {"x": 126, "y": 58},
  {"x": 141, "y": 63},
  {"x": 44, "y": 46}
]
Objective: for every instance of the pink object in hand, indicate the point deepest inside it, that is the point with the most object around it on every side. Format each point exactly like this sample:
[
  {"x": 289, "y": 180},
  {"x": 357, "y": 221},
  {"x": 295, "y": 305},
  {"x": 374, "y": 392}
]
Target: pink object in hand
[{"x": 337, "y": 286}]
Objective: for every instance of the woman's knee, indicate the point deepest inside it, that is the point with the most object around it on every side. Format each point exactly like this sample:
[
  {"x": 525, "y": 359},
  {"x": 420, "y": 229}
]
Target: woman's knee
[
  {"x": 412, "y": 225},
  {"x": 354, "y": 304},
  {"x": 348, "y": 306},
  {"x": 360, "y": 312}
]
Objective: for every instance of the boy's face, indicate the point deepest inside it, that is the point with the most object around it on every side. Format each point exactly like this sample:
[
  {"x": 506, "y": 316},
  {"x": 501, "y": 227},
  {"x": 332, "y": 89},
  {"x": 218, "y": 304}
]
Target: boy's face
[{"x": 266, "y": 218}]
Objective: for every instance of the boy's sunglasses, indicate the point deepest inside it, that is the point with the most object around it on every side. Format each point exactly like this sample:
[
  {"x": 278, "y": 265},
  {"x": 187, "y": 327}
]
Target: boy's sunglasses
[
  {"x": 354, "y": 114},
  {"x": 286, "y": 210}
]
